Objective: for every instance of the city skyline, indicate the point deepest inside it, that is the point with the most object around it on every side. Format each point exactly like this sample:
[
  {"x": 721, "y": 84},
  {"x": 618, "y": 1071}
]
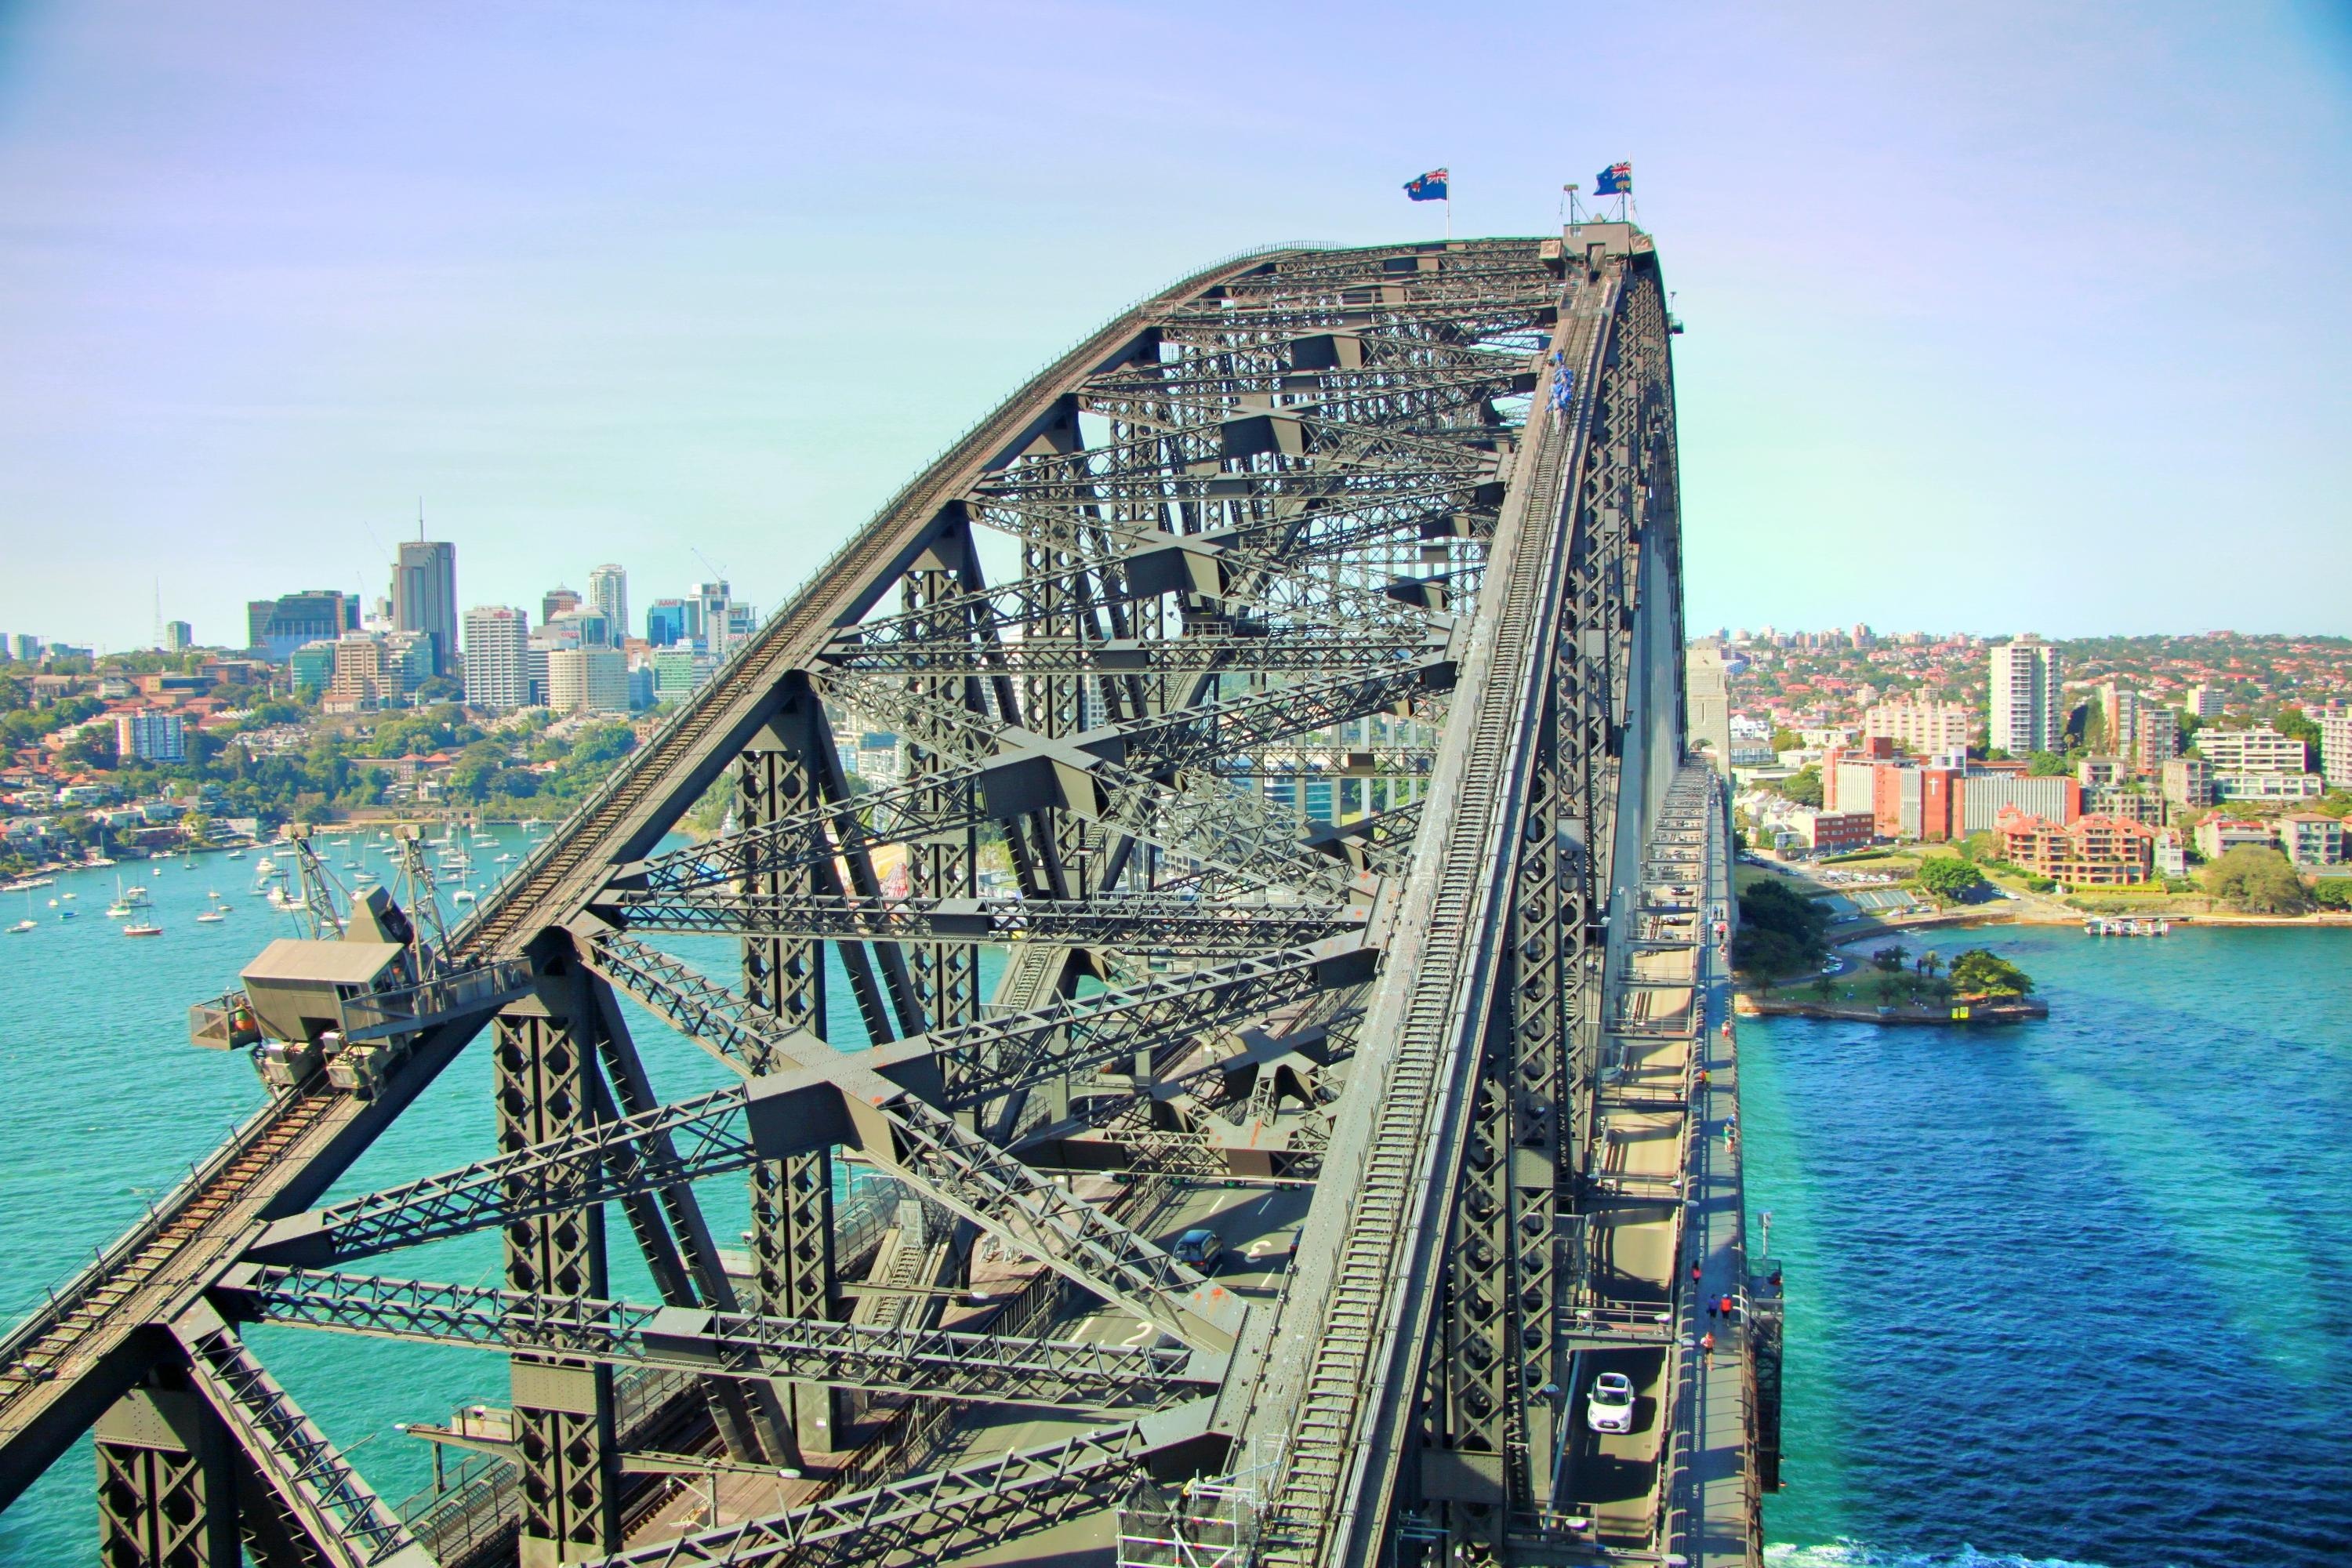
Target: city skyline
[{"x": 1931, "y": 319}]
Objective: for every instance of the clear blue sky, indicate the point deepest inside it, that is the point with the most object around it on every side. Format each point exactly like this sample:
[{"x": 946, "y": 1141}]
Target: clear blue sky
[{"x": 2000, "y": 316}]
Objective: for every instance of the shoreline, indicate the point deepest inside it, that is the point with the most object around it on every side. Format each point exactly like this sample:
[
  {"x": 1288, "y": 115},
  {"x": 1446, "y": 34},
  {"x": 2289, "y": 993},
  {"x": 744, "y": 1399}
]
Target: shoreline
[{"x": 2012, "y": 1012}]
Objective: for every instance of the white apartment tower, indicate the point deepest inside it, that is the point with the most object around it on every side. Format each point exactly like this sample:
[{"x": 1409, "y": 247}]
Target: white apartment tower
[
  {"x": 2029, "y": 706},
  {"x": 587, "y": 680},
  {"x": 498, "y": 667},
  {"x": 608, "y": 590}
]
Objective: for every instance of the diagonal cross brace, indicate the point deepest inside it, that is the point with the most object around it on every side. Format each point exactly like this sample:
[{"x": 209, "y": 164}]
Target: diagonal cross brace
[
  {"x": 341, "y": 1518},
  {"x": 935, "y": 1363},
  {"x": 996, "y": 1497}
]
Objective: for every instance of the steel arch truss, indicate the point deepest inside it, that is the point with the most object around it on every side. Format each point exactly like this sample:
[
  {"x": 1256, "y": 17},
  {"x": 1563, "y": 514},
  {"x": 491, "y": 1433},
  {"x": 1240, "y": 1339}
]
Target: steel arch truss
[{"x": 1286, "y": 773}]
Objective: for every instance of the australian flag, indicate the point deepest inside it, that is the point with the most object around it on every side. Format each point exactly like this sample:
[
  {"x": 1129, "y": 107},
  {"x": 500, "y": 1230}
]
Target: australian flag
[
  {"x": 1613, "y": 180},
  {"x": 1430, "y": 187}
]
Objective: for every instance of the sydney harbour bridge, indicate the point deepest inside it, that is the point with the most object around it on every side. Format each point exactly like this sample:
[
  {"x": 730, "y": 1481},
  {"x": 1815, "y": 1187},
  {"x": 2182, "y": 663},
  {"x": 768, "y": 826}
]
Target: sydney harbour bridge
[{"x": 1250, "y": 1086}]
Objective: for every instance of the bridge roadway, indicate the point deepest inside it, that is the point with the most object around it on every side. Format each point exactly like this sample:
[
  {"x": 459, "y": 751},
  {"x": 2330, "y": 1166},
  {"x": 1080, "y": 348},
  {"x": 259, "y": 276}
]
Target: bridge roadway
[{"x": 1250, "y": 454}]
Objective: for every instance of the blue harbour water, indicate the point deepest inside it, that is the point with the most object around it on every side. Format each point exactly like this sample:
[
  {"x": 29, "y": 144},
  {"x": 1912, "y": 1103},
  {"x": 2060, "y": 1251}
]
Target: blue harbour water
[{"x": 2073, "y": 1293}]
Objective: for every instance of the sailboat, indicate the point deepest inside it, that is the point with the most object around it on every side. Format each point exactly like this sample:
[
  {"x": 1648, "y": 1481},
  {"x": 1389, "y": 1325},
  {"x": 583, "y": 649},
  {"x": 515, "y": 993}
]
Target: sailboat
[
  {"x": 121, "y": 905},
  {"x": 22, "y": 926},
  {"x": 137, "y": 928},
  {"x": 215, "y": 913}
]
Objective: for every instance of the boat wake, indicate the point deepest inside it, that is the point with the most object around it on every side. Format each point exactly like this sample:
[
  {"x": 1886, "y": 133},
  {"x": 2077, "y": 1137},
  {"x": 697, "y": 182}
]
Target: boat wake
[{"x": 1849, "y": 1553}]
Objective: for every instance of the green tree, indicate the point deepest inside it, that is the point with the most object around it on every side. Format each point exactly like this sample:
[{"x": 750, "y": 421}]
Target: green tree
[
  {"x": 1945, "y": 878},
  {"x": 1803, "y": 786},
  {"x": 1780, "y": 930},
  {"x": 2294, "y": 723},
  {"x": 2258, "y": 880},
  {"x": 1930, "y": 962},
  {"x": 1980, "y": 972},
  {"x": 1787, "y": 740},
  {"x": 2333, "y": 892},
  {"x": 2048, "y": 765},
  {"x": 1889, "y": 959}
]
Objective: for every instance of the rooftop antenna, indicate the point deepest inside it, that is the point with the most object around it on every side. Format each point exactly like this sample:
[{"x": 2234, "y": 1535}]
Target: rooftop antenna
[
  {"x": 159, "y": 612},
  {"x": 420, "y": 520}
]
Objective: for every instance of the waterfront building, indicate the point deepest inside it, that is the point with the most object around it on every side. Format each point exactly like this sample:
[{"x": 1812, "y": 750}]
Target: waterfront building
[
  {"x": 2217, "y": 836},
  {"x": 2029, "y": 705},
  {"x": 311, "y": 667},
  {"x": 2312, "y": 839},
  {"x": 424, "y": 597},
  {"x": 179, "y": 636},
  {"x": 587, "y": 680},
  {"x": 2335, "y": 723},
  {"x": 2260, "y": 750},
  {"x": 2170, "y": 854},
  {"x": 2204, "y": 702},
  {"x": 497, "y": 673},
  {"x": 276, "y": 627},
  {"x": 2090, "y": 852},
  {"x": 608, "y": 595},
  {"x": 2189, "y": 782},
  {"x": 1922, "y": 727},
  {"x": 669, "y": 621},
  {"x": 2266, "y": 786},
  {"x": 151, "y": 736}
]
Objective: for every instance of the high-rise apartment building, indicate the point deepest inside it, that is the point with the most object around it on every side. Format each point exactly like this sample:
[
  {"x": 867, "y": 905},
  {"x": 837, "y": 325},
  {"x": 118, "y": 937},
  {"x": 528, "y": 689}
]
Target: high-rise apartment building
[
  {"x": 498, "y": 671},
  {"x": 24, "y": 646},
  {"x": 2204, "y": 702},
  {"x": 310, "y": 667},
  {"x": 278, "y": 626},
  {"x": 587, "y": 680},
  {"x": 425, "y": 596},
  {"x": 1926, "y": 727},
  {"x": 2335, "y": 723},
  {"x": 179, "y": 636},
  {"x": 2029, "y": 704},
  {"x": 155, "y": 737},
  {"x": 608, "y": 593},
  {"x": 555, "y": 601}
]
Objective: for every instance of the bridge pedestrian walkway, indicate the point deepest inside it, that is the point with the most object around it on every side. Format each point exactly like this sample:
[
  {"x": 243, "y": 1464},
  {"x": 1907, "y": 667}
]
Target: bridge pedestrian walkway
[{"x": 1713, "y": 1506}]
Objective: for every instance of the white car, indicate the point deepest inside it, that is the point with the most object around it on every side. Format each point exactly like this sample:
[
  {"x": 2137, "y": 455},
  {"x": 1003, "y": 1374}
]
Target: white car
[{"x": 1609, "y": 1406}]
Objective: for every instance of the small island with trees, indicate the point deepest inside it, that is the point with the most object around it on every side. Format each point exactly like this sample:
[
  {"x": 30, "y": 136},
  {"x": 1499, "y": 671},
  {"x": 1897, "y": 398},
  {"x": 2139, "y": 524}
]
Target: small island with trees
[{"x": 1780, "y": 958}]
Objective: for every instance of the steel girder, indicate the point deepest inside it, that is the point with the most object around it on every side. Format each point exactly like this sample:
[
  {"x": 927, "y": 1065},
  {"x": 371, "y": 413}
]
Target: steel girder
[
  {"x": 1132, "y": 923},
  {"x": 934, "y": 1363}
]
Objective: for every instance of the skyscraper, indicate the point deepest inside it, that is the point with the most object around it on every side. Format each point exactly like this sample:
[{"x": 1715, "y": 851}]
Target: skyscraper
[
  {"x": 178, "y": 636},
  {"x": 497, "y": 669},
  {"x": 608, "y": 590},
  {"x": 555, "y": 601},
  {"x": 666, "y": 623},
  {"x": 2029, "y": 707},
  {"x": 711, "y": 606},
  {"x": 425, "y": 596}
]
